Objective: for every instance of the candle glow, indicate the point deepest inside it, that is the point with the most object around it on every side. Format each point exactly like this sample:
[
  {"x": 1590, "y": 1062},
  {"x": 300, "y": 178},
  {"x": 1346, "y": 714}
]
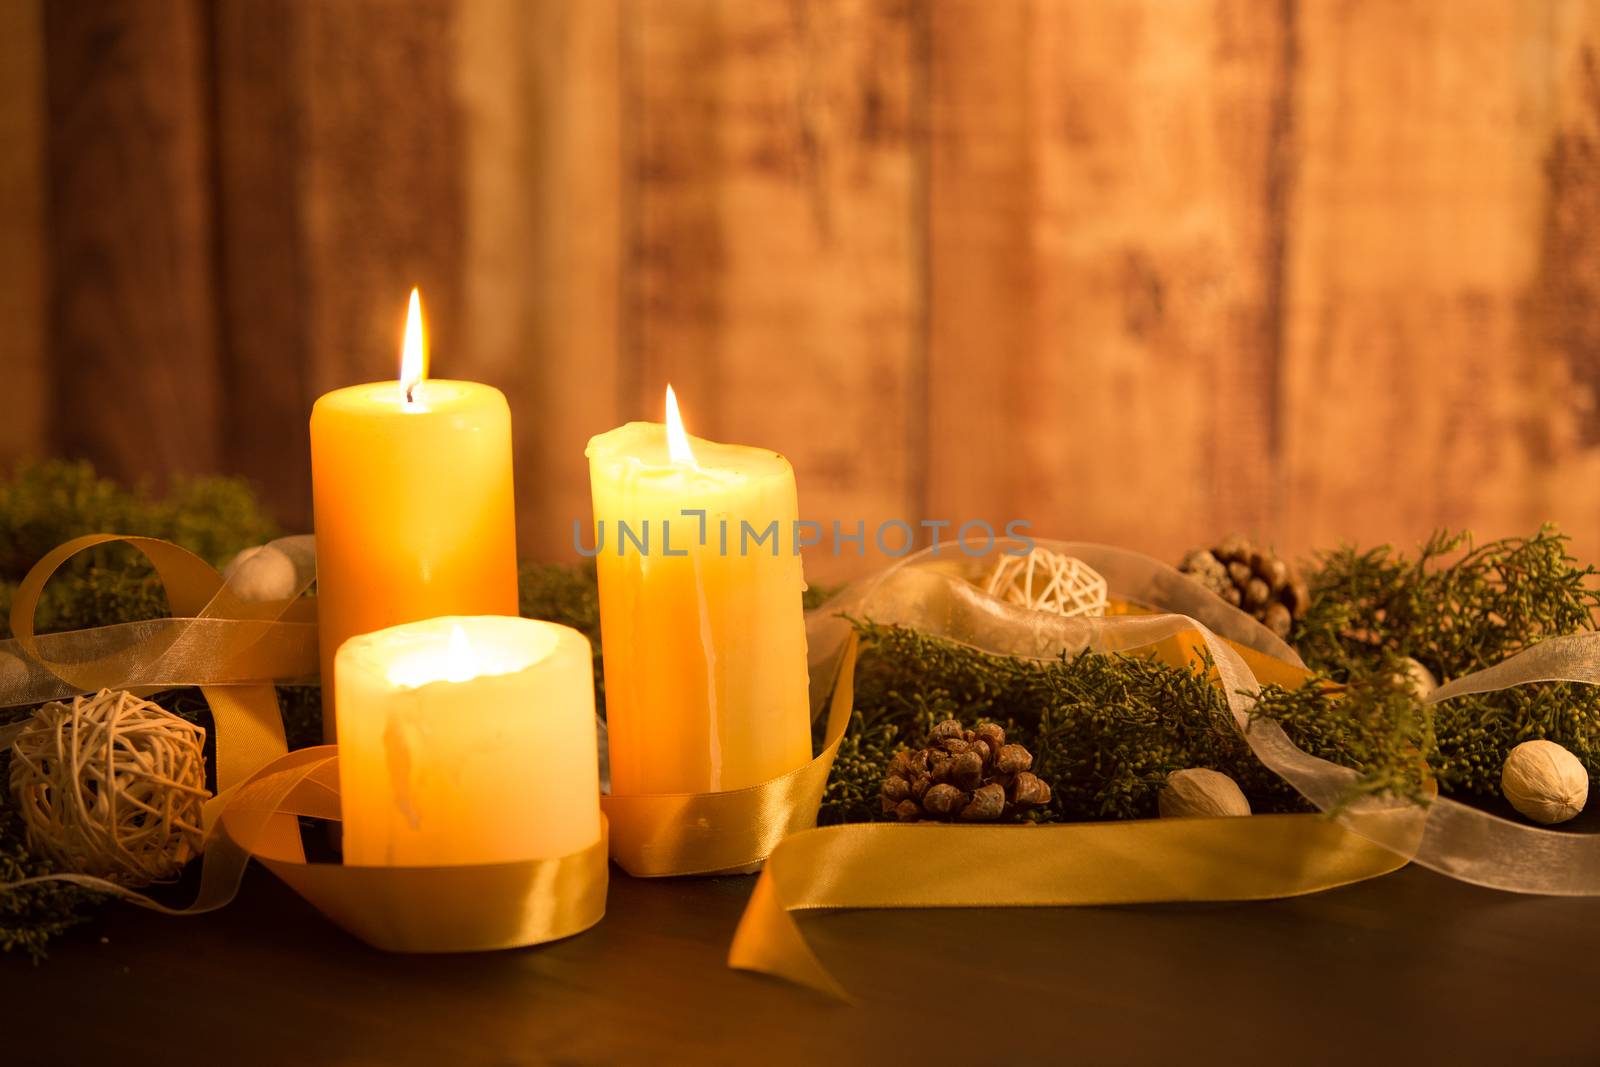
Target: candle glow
[{"x": 458, "y": 661}]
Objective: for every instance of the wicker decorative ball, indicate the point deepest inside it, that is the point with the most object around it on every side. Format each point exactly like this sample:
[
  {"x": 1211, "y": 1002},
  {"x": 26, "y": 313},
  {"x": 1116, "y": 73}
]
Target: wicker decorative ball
[
  {"x": 1048, "y": 581},
  {"x": 111, "y": 785}
]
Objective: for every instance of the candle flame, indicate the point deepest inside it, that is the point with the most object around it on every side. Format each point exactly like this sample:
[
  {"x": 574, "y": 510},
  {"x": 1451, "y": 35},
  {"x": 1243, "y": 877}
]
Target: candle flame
[
  {"x": 414, "y": 353},
  {"x": 459, "y": 666},
  {"x": 434, "y": 661},
  {"x": 677, "y": 440}
]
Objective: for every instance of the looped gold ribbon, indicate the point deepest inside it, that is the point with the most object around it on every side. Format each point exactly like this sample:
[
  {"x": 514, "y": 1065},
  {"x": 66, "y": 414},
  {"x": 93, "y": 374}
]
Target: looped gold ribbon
[
  {"x": 1056, "y": 866},
  {"x": 725, "y": 832},
  {"x": 233, "y": 650},
  {"x": 886, "y": 865},
  {"x": 166, "y": 648},
  {"x": 1191, "y": 859}
]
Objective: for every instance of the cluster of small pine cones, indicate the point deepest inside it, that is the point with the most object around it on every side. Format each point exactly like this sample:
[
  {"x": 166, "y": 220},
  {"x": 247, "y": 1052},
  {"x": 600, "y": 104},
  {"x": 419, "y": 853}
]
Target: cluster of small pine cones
[
  {"x": 965, "y": 775},
  {"x": 1252, "y": 579}
]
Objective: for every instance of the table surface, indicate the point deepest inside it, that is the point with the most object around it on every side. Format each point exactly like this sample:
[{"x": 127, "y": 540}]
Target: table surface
[{"x": 1411, "y": 967}]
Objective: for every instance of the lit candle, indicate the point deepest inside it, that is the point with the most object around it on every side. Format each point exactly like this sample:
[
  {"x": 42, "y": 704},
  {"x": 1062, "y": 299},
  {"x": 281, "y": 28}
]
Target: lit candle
[
  {"x": 466, "y": 740},
  {"x": 702, "y": 631},
  {"x": 412, "y": 486}
]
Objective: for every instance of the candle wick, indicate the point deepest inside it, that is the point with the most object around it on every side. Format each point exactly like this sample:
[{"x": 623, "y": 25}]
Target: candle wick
[{"x": 409, "y": 388}]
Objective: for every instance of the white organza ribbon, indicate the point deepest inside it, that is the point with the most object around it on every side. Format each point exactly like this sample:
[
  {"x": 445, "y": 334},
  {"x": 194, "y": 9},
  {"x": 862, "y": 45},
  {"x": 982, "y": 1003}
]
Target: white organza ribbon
[{"x": 929, "y": 591}]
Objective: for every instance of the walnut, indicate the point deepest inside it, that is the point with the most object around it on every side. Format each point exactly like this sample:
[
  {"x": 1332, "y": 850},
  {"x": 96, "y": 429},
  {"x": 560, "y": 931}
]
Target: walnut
[
  {"x": 1545, "y": 782},
  {"x": 1200, "y": 792}
]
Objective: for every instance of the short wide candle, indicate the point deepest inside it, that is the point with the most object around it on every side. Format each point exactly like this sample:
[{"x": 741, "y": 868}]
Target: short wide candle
[{"x": 466, "y": 740}]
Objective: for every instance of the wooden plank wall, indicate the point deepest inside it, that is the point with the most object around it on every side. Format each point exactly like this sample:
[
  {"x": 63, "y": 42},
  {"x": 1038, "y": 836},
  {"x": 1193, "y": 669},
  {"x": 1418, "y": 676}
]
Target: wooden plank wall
[
  {"x": 24, "y": 390},
  {"x": 1135, "y": 270}
]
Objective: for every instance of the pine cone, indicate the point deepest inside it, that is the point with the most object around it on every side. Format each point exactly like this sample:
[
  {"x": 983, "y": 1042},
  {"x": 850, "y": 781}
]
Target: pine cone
[
  {"x": 1253, "y": 579},
  {"x": 965, "y": 775}
]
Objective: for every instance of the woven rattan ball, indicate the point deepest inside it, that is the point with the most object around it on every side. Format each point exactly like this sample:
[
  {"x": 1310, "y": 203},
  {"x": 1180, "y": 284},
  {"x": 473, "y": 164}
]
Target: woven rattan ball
[
  {"x": 111, "y": 785},
  {"x": 1048, "y": 581}
]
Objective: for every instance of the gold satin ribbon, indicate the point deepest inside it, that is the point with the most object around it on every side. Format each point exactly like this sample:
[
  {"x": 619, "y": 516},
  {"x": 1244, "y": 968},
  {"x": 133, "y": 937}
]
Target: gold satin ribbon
[
  {"x": 932, "y": 865},
  {"x": 233, "y": 650},
  {"x": 466, "y": 908},
  {"x": 726, "y": 832}
]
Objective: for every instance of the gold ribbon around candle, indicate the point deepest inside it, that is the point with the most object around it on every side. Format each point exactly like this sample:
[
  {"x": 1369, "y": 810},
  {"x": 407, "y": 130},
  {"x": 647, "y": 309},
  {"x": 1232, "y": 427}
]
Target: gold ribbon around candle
[
  {"x": 467, "y": 908},
  {"x": 234, "y": 650},
  {"x": 726, "y": 832}
]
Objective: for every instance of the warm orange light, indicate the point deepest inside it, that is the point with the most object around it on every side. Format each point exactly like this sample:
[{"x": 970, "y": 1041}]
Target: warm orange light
[
  {"x": 414, "y": 353},
  {"x": 456, "y": 662},
  {"x": 677, "y": 440}
]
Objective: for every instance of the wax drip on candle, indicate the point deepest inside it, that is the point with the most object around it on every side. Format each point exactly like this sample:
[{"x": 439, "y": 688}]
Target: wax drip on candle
[
  {"x": 678, "y": 448},
  {"x": 414, "y": 352}
]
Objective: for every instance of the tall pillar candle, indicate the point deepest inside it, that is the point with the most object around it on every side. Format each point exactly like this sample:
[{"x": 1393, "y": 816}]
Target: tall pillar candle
[
  {"x": 703, "y": 636},
  {"x": 411, "y": 482},
  {"x": 465, "y": 741}
]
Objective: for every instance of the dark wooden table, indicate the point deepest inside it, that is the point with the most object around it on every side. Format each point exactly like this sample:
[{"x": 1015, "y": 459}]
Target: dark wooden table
[{"x": 1412, "y": 968}]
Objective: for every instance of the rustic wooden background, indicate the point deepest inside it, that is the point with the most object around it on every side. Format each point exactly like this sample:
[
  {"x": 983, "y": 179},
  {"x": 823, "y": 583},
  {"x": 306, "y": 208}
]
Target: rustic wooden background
[{"x": 1136, "y": 270}]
